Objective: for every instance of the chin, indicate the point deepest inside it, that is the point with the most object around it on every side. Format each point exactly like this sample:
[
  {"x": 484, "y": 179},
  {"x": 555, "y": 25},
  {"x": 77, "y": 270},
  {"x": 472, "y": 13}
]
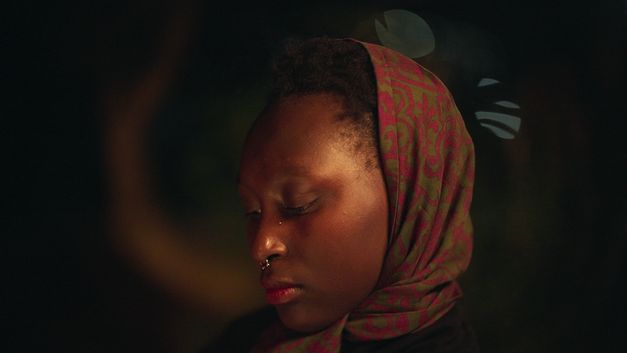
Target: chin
[{"x": 300, "y": 321}]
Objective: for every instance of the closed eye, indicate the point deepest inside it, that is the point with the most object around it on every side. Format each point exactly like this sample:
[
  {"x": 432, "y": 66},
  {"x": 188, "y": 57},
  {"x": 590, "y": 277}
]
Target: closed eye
[
  {"x": 299, "y": 210},
  {"x": 254, "y": 214}
]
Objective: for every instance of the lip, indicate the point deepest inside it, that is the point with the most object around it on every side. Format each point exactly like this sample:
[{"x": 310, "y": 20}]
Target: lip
[{"x": 280, "y": 292}]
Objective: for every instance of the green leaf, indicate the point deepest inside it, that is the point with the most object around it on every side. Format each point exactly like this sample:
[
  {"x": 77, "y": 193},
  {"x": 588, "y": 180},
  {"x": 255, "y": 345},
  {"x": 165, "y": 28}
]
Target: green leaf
[{"x": 406, "y": 33}]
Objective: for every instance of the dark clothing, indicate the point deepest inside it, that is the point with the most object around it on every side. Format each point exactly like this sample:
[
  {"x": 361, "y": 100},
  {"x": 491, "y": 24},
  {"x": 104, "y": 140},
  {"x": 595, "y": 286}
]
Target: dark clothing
[
  {"x": 450, "y": 334},
  {"x": 241, "y": 335}
]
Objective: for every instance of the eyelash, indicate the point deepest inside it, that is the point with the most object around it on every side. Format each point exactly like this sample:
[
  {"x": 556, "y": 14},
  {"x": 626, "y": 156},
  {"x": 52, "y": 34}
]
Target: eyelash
[
  {"x": 253, "y": 214},
  {"x": 300, "y": 210},
  {"x": 289, "y": 211}
]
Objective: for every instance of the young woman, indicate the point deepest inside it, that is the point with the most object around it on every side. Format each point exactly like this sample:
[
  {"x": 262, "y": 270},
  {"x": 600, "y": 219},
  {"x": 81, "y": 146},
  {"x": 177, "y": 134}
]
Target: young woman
[{"x": 357, "y": 180}]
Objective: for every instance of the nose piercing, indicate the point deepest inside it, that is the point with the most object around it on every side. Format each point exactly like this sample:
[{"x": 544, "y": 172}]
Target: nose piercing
[{"x": 265, "y": 264}]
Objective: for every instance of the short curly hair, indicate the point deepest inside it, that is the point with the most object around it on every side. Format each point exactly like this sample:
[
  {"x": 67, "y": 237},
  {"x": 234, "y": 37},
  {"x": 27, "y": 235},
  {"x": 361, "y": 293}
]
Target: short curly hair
[{"x": 337, "y": 66}]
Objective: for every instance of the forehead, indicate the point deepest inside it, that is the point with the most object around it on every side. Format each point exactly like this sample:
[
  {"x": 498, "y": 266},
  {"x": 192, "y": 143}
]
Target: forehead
[
  {"x": 301, "y": 114},
  {"x": 303, "y": 121},
  {"x": 295, "y": 135}
]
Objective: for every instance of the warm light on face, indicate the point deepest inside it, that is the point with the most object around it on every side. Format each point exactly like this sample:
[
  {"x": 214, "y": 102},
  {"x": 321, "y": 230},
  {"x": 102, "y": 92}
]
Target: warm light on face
[{"x": 315, "y": 208}]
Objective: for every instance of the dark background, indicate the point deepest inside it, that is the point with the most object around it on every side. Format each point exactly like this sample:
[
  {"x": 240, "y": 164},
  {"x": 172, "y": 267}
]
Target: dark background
[{"x": 550, "y": 208}]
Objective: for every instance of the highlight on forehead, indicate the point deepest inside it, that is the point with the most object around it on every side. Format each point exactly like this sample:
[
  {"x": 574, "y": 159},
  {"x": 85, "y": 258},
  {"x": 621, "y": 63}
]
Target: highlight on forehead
[
  {"x": 269, "y": 122},
  {"x": 357, "y": 131},
  {"x": 290, "y": 170}
]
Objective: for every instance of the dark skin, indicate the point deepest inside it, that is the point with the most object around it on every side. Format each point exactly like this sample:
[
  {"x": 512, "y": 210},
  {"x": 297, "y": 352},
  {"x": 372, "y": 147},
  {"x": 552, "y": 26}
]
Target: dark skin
[{"x": 315, "y": 208}]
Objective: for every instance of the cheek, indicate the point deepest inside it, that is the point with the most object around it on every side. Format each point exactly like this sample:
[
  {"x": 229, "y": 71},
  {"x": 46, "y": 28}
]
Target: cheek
[{"x": 347, "y": 248}]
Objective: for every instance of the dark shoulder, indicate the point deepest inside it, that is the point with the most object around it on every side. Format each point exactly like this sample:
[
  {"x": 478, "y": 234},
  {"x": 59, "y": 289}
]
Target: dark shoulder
[
  {"x": 450, "y": 334},
  {"x": 242, "y": 334}
]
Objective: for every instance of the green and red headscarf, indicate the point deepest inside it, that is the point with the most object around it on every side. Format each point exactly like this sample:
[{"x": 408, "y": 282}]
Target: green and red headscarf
[{"x": 428, "y": 162}]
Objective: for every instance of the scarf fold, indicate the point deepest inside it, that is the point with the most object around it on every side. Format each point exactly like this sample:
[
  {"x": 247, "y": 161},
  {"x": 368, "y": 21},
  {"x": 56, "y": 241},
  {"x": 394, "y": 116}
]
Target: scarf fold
[{"x": 428, "y": 162}]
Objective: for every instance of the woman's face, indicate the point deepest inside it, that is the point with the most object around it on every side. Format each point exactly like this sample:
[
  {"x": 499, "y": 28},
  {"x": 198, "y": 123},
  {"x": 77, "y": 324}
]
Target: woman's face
[{"x": 316, "y": 209}]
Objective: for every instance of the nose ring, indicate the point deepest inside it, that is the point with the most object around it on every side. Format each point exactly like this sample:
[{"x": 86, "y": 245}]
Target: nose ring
[{"x": 265, "y": 264}]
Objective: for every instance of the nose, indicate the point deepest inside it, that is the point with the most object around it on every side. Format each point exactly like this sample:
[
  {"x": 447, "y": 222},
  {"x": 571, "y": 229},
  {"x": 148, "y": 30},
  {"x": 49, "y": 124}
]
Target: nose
[{"x": 268, "y": 240}]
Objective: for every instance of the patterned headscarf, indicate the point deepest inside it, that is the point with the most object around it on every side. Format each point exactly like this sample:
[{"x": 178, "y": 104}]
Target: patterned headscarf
[{"x": 428, "y": 163}]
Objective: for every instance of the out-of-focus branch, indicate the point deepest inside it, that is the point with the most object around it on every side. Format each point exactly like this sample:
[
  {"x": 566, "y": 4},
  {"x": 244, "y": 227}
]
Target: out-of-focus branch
[{"x": 140, "y": 228}]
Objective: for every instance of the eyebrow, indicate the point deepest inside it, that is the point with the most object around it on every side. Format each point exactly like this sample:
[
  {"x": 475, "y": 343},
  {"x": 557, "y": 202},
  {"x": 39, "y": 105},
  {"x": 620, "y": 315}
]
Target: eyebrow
[
  {"x": 293, "y": 170},
  {"x": 297, "y": 170}
]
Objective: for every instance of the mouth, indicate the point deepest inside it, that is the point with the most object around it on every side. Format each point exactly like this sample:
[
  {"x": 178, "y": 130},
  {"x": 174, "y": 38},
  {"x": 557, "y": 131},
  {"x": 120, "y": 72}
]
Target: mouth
[{"x": 278, "y": 292}]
